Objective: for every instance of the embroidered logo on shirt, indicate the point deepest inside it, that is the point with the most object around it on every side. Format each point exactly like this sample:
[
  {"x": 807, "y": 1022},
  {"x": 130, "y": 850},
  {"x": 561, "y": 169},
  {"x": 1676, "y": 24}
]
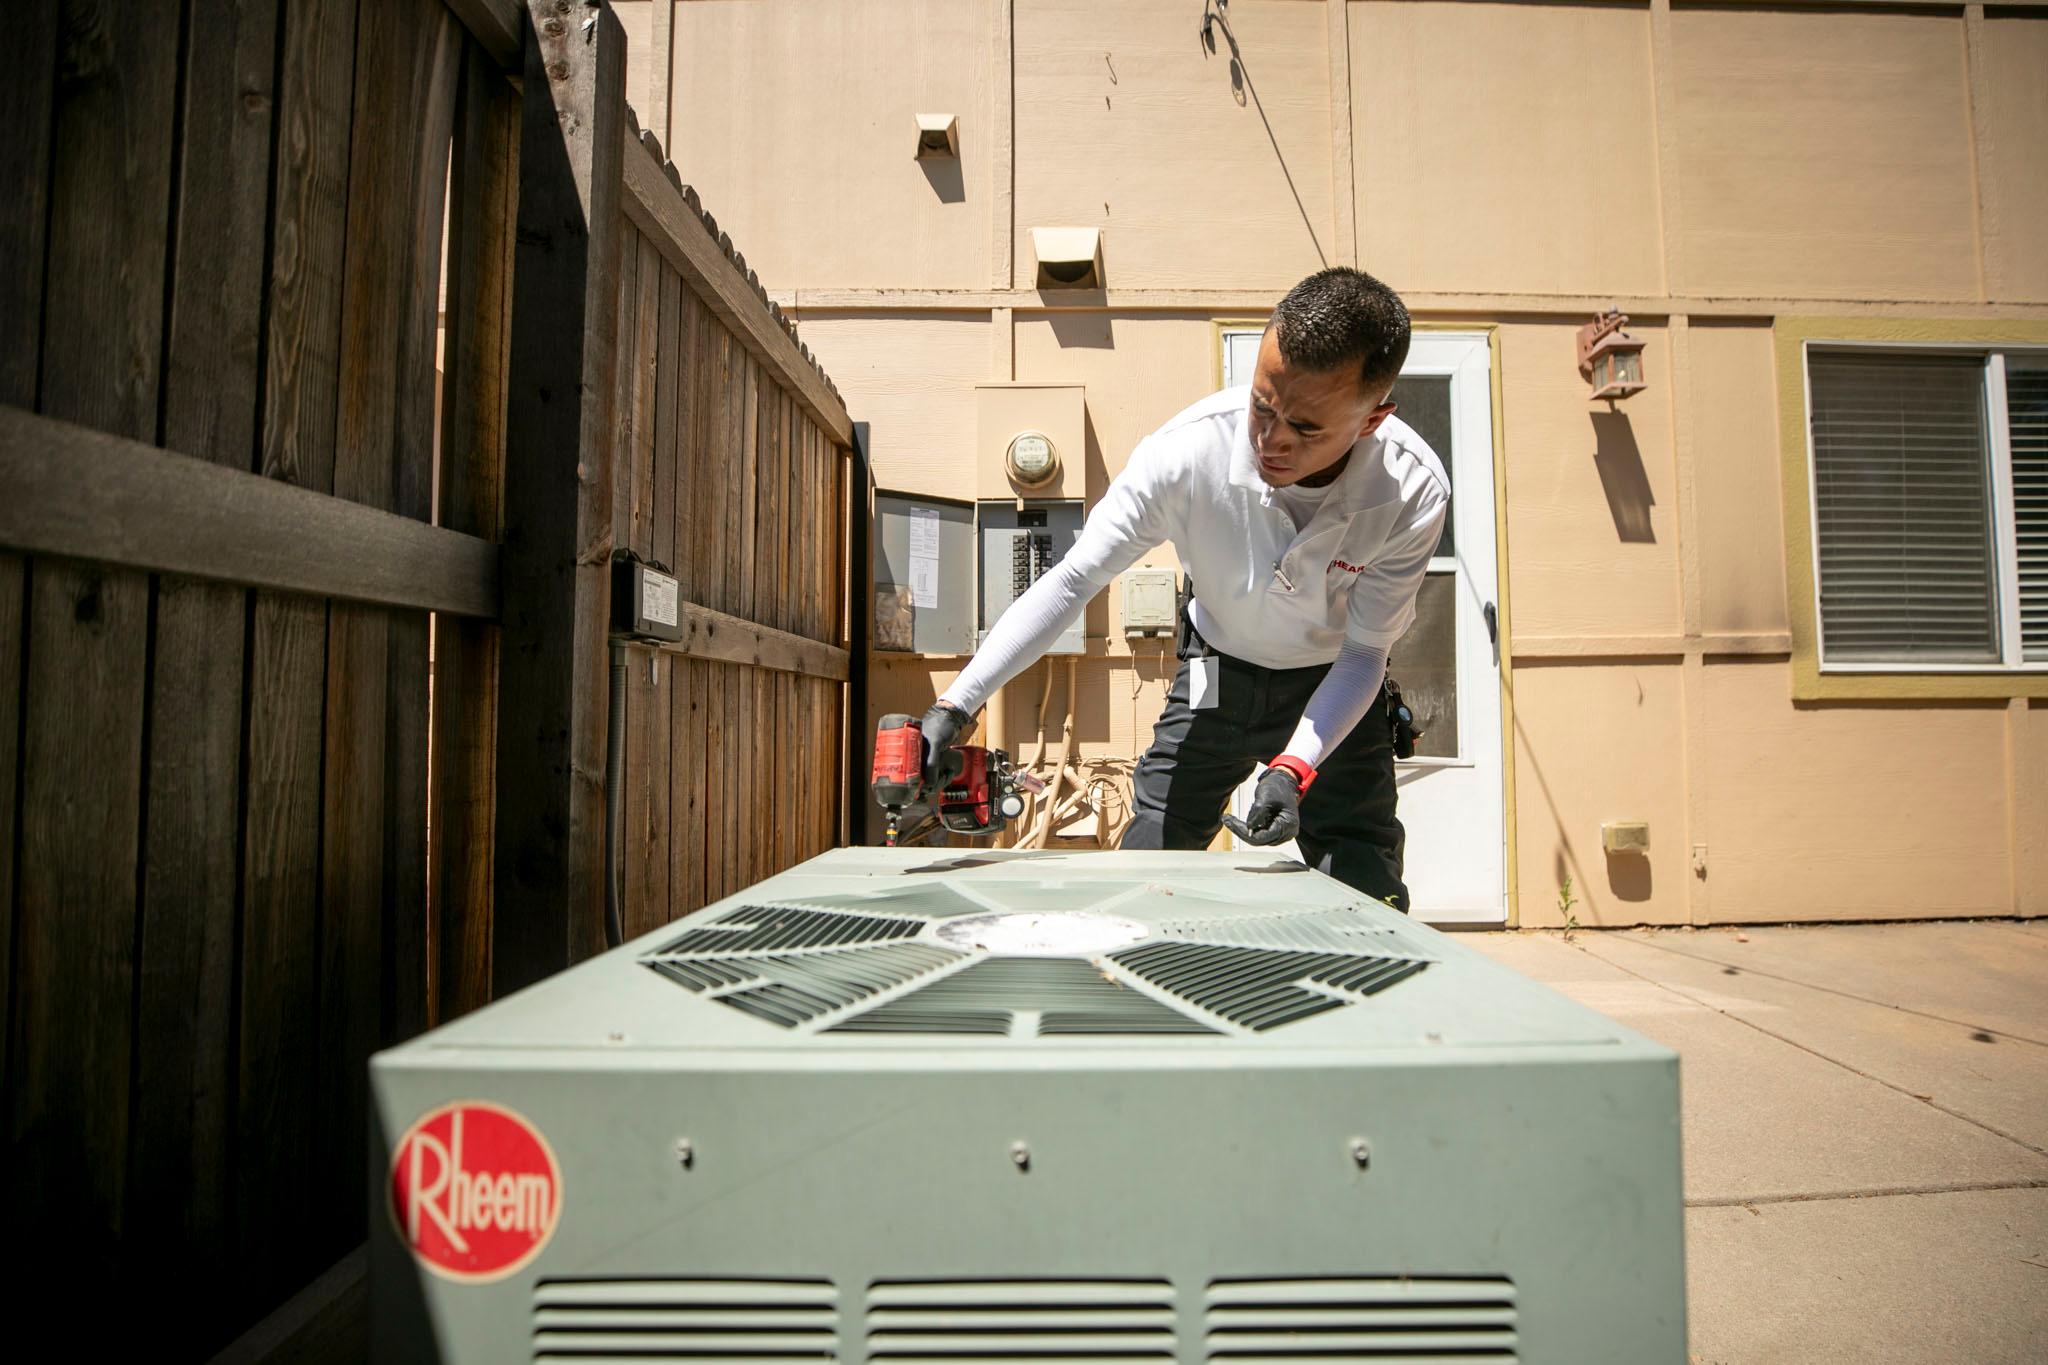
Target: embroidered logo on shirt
[{"x": 1347, "y": 566}]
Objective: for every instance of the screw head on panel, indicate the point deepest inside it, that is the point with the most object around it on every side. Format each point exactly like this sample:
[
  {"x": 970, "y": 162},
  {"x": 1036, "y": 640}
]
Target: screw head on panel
[
  {"x": 686, "y": 1153},
  {"x": 1361, "y": 1152},
  {"x": 1020, "y": 1155}
]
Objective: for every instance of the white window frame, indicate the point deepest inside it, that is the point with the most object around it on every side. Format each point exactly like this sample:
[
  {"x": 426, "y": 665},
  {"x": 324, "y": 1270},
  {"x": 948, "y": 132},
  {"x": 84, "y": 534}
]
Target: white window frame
[{"x": 2004, "y": 515}]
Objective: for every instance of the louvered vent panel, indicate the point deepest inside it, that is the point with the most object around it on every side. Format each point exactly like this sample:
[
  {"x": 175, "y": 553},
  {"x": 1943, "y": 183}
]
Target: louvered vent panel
[
  {"x": 796, "y": 989},
  {"x": 783, "y": 928},
  {"x": 1336, "y": 931},
  {"x": 1261, "y": 988},
  {"x": 1901, "y": 480},
  {"x": 1430, "y": 1319},
  {"x": 1004, "y": 1322},
  {"x": 745, "y": 1322},
  {"x": 1045, "y": 995},
  {"x": 2026, "y": 405}
]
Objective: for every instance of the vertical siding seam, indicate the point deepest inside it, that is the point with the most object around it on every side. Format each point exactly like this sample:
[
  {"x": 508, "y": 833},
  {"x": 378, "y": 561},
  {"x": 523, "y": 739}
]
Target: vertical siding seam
[
  {"x": 1973, "y": 73},
  {"x": 1343, "y": 169},
  {"x": 1664, "y": 158}
]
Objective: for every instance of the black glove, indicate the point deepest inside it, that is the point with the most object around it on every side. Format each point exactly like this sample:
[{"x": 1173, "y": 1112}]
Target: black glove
[
  {"x": 1275, "y": 816},
  {"x": 943, "y": 726}
]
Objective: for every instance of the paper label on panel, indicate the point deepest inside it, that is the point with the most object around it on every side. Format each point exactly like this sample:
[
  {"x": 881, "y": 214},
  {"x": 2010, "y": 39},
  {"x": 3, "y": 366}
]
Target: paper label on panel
[
  {"x": 924, "y": 534},
  {"x": 924, "y": 581}
]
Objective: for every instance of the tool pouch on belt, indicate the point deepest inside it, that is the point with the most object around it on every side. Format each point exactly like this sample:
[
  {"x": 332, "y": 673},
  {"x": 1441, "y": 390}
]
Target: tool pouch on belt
[{"x": 1400, "y": 720}]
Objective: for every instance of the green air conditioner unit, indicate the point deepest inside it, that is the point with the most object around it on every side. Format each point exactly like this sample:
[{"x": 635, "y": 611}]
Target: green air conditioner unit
[{"x": 916, "y": 1107}]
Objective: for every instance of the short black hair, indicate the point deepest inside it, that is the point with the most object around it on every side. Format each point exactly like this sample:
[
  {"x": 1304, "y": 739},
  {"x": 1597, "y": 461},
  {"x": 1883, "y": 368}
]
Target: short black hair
[{"x": 1342, "y": 316}]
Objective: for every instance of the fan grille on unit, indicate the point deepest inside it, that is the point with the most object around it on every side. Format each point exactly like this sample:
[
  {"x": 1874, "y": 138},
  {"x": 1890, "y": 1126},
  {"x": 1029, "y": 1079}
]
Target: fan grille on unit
[
  {"x": 780, "y": 928},
  {"x": 860, "y": 971},
  {"x": 1001, "y": 995},
  {"x": 1013, "y": 1322},
  {"x": 762, "y": 1322},
  {"x": 1261, "y": 988},
  {"x": 1326, "y": 1321}
]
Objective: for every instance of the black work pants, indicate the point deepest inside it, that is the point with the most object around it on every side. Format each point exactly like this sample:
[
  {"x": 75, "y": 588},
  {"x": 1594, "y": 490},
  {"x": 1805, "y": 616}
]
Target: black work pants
[{"x": 1197, "y": 758}]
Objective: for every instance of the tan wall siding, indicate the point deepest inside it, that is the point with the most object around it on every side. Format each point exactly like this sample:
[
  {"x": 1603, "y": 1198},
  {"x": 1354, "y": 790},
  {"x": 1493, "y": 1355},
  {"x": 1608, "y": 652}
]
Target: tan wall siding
[
  {"x": 1849, "y": 812},
  {"x": 1592, "y": 521},
  {"x": 1487, "y": 160},
  {"x": 2012, "y": 155},
  {"x": 1731, "y": 401},
  {"x": 1125, "y": 123},
  {"x": 911, "y": 378},
  {"x": 1823, "y": 153},
  {"x": 1597, "y": 742},
  {"x": 796, "y": 124}
]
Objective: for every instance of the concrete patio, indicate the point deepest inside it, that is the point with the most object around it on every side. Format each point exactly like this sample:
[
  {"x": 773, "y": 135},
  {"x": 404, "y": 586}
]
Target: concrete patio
[{"x": 1866, "y": 1129}]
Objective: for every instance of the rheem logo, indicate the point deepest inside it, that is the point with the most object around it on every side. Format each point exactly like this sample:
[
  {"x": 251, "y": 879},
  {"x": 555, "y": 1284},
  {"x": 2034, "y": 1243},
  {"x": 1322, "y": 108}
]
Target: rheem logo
[{"x": 475, "y": 1191}]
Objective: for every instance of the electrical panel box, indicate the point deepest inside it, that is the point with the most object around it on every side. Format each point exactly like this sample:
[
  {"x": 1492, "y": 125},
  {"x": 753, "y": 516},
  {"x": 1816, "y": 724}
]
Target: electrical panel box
[
  {"x": 1019, "y": 546},
  {"x": 1150, "y": 601},
  {"x": 924, "y": 575}
]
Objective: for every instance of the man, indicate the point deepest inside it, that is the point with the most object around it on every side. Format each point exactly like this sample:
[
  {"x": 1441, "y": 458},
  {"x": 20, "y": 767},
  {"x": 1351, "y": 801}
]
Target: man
[{"x": 1305, "y": 515}]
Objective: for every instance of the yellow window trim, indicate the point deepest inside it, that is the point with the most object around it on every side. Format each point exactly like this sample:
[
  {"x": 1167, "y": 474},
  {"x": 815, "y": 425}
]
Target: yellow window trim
[{"x": 1808, "y": 682}]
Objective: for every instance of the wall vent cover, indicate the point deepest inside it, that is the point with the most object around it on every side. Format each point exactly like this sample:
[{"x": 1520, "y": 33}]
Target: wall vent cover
[
  {"x": 1404, "y": 1318},
  {"x": 1007, "y": 1322},
  {"x": 1030, "y": 958},
  {"x": 763, "y": 1322}
]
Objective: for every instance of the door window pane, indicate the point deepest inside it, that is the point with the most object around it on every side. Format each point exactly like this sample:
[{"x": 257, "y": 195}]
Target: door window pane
[
  {"x": 1424, "y": 401},
  {"x": 1425, "y": 663}
]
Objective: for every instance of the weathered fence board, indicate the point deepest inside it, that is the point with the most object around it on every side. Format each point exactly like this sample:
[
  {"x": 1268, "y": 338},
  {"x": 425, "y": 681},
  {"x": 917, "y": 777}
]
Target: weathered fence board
[
  {"x": 180, "y": 1175},
  {"x": 483, "y": 189},
  {"x": 81, "y": 790},
  {"x": 553, "y": 670}
]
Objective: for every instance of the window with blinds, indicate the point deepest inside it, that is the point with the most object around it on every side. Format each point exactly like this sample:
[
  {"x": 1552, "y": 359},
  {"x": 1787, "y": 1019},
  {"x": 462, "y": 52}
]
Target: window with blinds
[
  {"x": 1923, "y": 556},
  {"x": 2026, "y": 406}
]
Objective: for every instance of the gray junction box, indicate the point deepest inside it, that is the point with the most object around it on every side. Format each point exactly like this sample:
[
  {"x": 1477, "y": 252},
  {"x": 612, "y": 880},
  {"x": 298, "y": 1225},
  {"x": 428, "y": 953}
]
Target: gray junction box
[{"x": 1017, "y": 1108}]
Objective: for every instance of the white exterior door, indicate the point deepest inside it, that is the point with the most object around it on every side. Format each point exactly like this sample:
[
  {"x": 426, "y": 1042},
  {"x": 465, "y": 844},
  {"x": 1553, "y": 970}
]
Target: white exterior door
[{"x": 1451, "y": 791}]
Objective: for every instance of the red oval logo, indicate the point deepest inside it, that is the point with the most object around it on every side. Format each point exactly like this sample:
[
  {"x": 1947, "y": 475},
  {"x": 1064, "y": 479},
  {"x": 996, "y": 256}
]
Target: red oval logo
[{"x": 475, "y": 1191}]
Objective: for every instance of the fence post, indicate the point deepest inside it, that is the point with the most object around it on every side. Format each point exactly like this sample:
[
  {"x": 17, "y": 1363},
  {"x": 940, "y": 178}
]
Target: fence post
[{"x": 558, "y": 492}]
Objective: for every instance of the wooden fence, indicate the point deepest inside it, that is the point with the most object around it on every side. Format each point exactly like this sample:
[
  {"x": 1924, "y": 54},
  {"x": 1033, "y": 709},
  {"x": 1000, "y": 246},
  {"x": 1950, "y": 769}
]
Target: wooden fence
[{"x": 247, "y": 834}]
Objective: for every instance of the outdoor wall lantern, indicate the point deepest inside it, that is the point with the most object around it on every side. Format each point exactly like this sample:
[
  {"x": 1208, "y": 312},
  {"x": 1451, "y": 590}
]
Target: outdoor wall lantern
[
  {"x": 1609, "y": 358},
  {"x": 938, "y": 136},
  {"x": 1068, "y": 258}
]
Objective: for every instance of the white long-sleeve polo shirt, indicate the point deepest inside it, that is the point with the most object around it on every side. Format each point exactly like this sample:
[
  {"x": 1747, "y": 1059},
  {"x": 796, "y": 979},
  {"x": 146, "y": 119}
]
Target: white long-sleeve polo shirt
[{"x": 1266, "y": 590}]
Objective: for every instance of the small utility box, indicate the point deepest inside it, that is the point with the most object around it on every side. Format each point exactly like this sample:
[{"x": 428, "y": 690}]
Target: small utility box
[{"x": 1150, "y": 602}]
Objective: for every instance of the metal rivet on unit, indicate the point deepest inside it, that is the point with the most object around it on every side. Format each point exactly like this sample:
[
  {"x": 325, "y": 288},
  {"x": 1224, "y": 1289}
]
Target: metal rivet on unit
[
  {"x": 1020, "y": 1154},
  {"x": 1361, "y": 1152},
  {"x": 686, "y": 1153}
]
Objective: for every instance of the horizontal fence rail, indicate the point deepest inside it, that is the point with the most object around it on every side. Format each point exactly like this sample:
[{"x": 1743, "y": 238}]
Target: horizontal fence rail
[{"x": 82, "y": 494}]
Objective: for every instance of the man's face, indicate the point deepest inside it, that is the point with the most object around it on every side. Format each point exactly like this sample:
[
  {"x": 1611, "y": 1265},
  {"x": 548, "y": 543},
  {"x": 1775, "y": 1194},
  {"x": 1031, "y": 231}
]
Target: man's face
[{"x": 1303, "y": 421}]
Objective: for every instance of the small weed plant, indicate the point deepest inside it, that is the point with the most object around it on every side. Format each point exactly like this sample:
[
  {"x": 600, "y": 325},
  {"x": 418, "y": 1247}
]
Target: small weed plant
[{"x": 1565, "y": 901}]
